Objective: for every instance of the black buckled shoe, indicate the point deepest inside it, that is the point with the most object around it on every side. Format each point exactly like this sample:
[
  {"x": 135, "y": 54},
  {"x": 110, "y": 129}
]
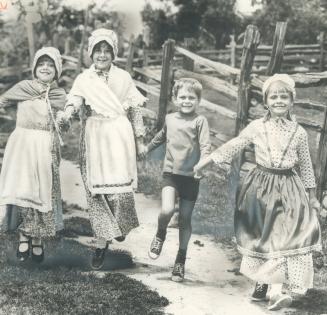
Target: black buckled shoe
[
  {"x": 260, "y": 292},
  {"x": 98, "y": 257},
  {"x": 38, "y": 258},
  {"x": 23, "y": 256}
]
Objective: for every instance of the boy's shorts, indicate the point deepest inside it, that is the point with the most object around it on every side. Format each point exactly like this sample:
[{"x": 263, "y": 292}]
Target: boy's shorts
[{"x": 186, "y": 186}]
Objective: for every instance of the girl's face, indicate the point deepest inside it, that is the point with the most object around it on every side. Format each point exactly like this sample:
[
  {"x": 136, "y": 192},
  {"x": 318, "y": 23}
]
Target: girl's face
[
  {"x": 102, "y": 56},
  {"x": 186, "y": 100},
  {"x": 279, "y": 100},
  {"x": 45, "y": 69}
]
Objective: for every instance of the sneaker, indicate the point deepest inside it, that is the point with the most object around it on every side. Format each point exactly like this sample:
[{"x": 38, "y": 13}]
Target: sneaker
[
  {"x": 155, "y": 248},
  {"x": 178, "y": 272},
  {"x": 98, "y": 258},
  {"x": 279, "y": 301},
  {"x": 260, "y": 292}
]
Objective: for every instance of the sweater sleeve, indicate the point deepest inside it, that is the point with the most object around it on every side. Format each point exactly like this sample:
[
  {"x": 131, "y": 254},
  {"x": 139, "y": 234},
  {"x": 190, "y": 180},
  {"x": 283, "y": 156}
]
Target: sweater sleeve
[
  {"x": 204, "y": 137},
  {"x": 158, "y": 139}
]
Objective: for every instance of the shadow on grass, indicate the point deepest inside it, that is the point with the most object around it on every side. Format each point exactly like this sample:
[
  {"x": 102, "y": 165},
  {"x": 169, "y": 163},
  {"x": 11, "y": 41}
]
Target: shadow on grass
[
  {"x": 63, "y": 285},
  {"x": 72, "y": 254},
  {"x": 313, "y": 303}
]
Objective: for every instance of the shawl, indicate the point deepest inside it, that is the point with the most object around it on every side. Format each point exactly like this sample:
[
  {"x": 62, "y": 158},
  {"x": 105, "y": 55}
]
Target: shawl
[
  {"x": 111, "y": 98},
  {"x": 31, "y": 89}
]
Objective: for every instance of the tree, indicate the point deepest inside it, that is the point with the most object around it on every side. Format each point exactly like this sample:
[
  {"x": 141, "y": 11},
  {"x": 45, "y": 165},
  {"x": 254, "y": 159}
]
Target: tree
[
  {"x": 305, "y": 20},
  {"x": 162, "y": 25}
]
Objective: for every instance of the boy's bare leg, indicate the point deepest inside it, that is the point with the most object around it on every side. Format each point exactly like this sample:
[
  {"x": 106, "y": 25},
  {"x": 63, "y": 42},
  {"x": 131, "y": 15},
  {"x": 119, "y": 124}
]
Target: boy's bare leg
[
  {"x": 185, "y": 223},
  {"x": 167, "y": 210}
]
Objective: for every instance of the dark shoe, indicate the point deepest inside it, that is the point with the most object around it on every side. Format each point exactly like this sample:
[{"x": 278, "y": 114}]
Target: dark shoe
[
  {"x": 120, "y": 238},
  {"x": 98, "y": 258},
  {"x": 38, "y": 258},
  {"x": 23, "y": 256},
  {"x": 260, "y": 292},
  {"x": 155, "y": 248},
  {"x": 178, "y": 272},
  {"x": 279, "y": 301}
]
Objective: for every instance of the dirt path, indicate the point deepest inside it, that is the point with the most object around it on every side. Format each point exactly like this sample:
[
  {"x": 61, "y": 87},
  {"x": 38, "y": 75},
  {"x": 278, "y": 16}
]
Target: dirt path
[{"x": 209, "y": 287}]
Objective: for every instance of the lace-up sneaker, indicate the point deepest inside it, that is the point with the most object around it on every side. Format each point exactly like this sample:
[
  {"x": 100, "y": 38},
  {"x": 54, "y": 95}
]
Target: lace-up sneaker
[
  {"x": 155, "y": 248},
  {"x": 260, "y": 292},
  {"x": 178, "y": 272}
]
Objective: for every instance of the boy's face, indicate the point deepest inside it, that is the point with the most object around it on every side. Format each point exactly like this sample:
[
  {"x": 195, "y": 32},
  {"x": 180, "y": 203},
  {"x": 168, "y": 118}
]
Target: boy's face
[
  {"x": 45, "y": 69},
  {"x": 186, "y": 100}
]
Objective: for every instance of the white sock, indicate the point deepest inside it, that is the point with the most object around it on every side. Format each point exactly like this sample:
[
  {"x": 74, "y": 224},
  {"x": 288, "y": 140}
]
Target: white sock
[
  {"x": 275, "y": 289},
  {"x": 101, "y": 243}
]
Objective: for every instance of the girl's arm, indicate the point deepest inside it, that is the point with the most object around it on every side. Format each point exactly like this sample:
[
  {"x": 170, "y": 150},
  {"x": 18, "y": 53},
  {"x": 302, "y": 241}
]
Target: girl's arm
[
  {"x": 136, "y": 119},
  {"x": 132, "y": 104},
  {"x": 227, "y": 151},
  {"x": 73, "y": 105},
  {"x": 306, "y": 170},
  {"x": 305, "y": 164}
]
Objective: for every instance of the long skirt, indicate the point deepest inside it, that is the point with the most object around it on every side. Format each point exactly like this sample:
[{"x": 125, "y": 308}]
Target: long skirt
[
  {"x": 275, "y": 228},
  {"x": 111, "y": 215}
]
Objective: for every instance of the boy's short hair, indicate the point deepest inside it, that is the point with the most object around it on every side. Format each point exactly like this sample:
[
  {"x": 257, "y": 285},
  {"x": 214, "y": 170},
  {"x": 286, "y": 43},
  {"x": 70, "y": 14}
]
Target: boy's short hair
[{"x": 193, "y": 84}]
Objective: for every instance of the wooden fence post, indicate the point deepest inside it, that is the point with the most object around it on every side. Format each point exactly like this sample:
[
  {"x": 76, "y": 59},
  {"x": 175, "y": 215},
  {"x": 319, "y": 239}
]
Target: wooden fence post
[
  {"x": 277, "y": 52},
  {"x": 188, "y": 63},
  {"x": 232, "y": 51},
  {"x": 321, "y": 163},
  {"x": 322, "y": 51},
  {"x": 166, "y": 80},
  {"x": 130, "y": 57},
  {"x": 251, "y": 42}
]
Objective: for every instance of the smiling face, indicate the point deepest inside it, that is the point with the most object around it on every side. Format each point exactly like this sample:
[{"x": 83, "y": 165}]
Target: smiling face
[
  {"x": 186, "y": 100},
  {"x": 102, "y": 56},
  {"x": 279, "y": 99},
  {"x": 45, "y": 69}
]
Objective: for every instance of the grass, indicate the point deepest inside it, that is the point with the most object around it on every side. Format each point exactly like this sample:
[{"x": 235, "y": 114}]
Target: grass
[{"x": 64, "y": 284}]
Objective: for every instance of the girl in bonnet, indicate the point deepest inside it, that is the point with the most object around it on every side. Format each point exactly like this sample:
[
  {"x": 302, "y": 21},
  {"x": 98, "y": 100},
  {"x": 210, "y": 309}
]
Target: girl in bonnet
[
  {"x": 29, "y": 179},
  {"x": 112, "y": 133},
  {"x": 276, "y": 224}
]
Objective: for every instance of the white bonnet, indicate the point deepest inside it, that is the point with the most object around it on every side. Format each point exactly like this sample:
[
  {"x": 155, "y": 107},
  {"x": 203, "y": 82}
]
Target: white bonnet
[
  {"x": 282, "y": 77},
  {"x": 106, "y": 35},
  {"x": 51, "y": 52}
]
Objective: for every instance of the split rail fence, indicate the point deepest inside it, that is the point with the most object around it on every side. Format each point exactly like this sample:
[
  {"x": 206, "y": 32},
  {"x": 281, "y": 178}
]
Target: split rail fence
[{"x": 240, "y": 86}]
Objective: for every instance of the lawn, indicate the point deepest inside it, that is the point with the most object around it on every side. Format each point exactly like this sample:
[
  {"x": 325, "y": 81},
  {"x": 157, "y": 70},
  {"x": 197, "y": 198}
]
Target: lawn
[{"x": 65, "y": 284}]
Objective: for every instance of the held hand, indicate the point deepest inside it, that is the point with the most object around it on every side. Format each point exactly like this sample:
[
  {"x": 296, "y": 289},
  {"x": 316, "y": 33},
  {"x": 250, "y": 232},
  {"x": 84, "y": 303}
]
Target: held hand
[
  {"x": 142, "y": 150},
  {"x": 198, "y": 174},
  {"x": 314, "y": 204},
  {"x": 63, "y": 121},
  {"x": 2, "y": 111}
]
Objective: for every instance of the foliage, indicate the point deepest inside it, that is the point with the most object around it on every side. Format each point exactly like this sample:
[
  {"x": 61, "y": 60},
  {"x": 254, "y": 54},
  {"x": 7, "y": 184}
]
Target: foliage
[
  {"x": 207, "y": 22},
  {"x": 161, "y": 25},
  {"x": 305, "y": 20}
]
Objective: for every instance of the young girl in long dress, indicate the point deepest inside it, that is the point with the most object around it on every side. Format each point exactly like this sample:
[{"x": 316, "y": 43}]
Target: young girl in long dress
[
  {"x": 276, "y": 223},
  {"x": 112, "y": 134},
  {"x": 29, "y": 179}
]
